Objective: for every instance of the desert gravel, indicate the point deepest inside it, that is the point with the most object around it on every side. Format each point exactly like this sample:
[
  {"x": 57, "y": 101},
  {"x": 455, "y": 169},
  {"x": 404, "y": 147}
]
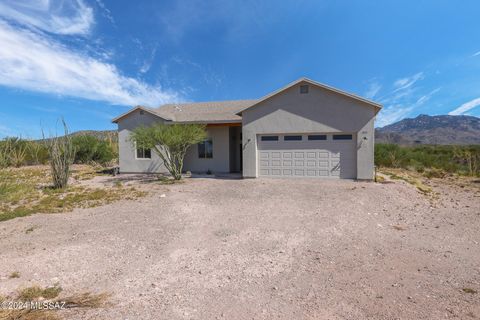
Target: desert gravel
[{"x": 260, "y": 249}]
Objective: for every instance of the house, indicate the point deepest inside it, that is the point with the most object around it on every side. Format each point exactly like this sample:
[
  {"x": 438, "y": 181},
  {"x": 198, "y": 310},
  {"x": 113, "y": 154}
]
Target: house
[{"x": 305, "y": 129}]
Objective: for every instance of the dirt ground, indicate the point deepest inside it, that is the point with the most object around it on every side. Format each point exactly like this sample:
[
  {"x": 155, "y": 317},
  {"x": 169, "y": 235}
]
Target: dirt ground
[{"x": 260, "y": 249}]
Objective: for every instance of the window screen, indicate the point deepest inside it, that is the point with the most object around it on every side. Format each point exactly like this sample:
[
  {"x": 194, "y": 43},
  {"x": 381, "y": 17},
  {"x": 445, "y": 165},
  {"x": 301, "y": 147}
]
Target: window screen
[
  {"x": 205, "y": 149},
  {"x": 144, "y": 153}
]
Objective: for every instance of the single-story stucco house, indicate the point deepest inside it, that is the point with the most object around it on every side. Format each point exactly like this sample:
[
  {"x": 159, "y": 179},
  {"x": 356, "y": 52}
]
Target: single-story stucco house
[{"x": 305, "y": 129}]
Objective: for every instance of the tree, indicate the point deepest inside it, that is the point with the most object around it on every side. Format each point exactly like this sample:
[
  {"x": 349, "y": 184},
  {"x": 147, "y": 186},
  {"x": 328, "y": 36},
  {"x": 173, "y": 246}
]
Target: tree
[{"x": 169, "y": 142}]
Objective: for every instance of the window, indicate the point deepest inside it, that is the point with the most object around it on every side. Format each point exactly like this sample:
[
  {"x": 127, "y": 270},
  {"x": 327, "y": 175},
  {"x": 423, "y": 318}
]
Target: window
[
  {"x": 269, "y": 138},
  {"x": 342, "y": 137},
  {"x": 144, "y": 153},
  {"x": 205, "y": 149},
  {"x": 292, "y": 138},
  {"x": 304, "y": 88},
  {"x": 317, "y": 137}
]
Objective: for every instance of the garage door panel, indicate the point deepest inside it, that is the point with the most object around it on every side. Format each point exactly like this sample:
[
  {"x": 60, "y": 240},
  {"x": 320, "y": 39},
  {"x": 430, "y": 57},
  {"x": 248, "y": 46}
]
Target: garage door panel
[
  {"x": 320, "y": 158},
  {"x": 287, "y": 163},
  {"x": 299, "y": 163},
  {"x": 323, "y": 173},
  {"x": 275, "y": 172},
  {"x": 264, "y": 155},
  {"x": 323, "y": 163},
  {"x": 275, "y": 163},
  {"x": 299, "y": 172},
  {"x": 311, "y": 163}
]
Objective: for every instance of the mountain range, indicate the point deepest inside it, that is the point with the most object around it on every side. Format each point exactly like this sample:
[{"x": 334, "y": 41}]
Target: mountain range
[{"x": 425, "y": 129}]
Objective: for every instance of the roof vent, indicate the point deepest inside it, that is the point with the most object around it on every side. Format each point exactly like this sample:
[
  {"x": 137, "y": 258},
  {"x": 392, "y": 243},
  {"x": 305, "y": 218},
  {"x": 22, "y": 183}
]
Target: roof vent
[{"x": 304, "y": 88}]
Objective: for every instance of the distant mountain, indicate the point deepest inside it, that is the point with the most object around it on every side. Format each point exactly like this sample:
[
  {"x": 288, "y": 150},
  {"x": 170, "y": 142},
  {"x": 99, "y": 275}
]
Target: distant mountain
[{"x": 426, "y": 129}]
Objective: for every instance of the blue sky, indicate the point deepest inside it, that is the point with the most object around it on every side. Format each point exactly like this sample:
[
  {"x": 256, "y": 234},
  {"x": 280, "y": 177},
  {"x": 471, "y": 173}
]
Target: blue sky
[{"x": 90, "y": 60}]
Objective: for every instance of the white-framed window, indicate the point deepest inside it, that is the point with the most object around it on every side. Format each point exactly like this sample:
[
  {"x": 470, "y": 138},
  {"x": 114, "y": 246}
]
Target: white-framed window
[
  {"x": 205, "y": 149},
  {"x": 142, "y": 153}
]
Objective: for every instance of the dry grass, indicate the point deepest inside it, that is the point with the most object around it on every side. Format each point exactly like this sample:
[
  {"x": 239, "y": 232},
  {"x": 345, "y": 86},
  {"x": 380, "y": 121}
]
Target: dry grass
[
  {"x": 86, "y": 300},
  {"x": 27, "y": 190},
  {"x": 14, "y": 275},
  {"x": 469, "y": 290},
  {"x": 36, "y": 292},
  {"x": 408, "y": 176},
  {"x": 399, "y": 228},
  {"x": 50, "y": 294}
]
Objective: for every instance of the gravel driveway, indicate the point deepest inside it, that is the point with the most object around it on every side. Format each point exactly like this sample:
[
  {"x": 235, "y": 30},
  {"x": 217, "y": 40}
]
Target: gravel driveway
[{"x": 260, "y": 249}]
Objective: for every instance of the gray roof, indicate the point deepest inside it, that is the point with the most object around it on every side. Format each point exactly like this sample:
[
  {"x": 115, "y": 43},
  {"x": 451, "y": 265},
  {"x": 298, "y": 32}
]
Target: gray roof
[
  {"x": 227, "y": 111},
  {"x": 216, "y": 111}
]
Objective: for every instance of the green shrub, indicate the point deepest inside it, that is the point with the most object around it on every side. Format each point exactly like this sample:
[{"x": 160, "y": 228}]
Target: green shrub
[
  {"x": 18, "y": 152},
  {"x": 90, "y": 149},
  {"x": 435, "y": 161},
  {"x": 37, "y": 153}
]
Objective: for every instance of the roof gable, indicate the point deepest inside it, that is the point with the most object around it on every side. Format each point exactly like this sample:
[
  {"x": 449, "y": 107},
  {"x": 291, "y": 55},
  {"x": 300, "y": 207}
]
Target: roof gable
[
  {"x": 151, "y": 111},
  {"x": 227, "y": 111},
  {"x": 317, "y": 84}
]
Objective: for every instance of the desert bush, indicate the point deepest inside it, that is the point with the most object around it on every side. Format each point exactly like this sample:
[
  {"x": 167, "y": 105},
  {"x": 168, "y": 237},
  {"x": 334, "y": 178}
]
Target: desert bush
[
  {"x": 61, "y": 154},
  {"x": 90, "y": 149},
  {"x": 170, "y": 143},
  {"x": 37, "y": 153},
  {"x": 17, "y": 152},
  {"x": 4, "y": 153},
  {"x": 424, "y": 158},
  {"x": 13, "y": 152}
]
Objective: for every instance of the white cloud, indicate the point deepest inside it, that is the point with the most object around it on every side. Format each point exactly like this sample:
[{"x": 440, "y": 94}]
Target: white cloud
[
  {"x": 392, "y": 114},
  {"x": 54, "y": 16},
  {"x": 400, "y": 103},
  {"x": 5, "y": 131},
  {"x": 425, "y": 97},
  {"x": 32, "y": 61},
  {"x": 405, "y": 83},
  {"x": 373, "y": 89},
  {"x": 476, "y": 54},
  {"x": 106, "y": 12},
  {"x": 467, "y": 106},
  {"x": 147, "y": 64}
]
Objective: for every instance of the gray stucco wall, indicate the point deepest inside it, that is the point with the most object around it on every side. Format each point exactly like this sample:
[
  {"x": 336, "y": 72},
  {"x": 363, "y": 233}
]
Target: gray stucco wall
[
  {"x": 128, "y": 162},
  {"x": 221, "y": 155},
  {"x": 319, "y": 111}
]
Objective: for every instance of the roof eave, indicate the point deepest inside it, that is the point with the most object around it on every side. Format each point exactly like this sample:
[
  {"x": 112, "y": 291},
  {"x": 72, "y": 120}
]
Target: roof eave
[{"x": 208, "y": 121}]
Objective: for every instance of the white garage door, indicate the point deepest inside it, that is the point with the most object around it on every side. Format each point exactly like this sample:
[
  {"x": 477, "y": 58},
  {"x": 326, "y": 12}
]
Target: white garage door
[{"x": 307, "y": 155}]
